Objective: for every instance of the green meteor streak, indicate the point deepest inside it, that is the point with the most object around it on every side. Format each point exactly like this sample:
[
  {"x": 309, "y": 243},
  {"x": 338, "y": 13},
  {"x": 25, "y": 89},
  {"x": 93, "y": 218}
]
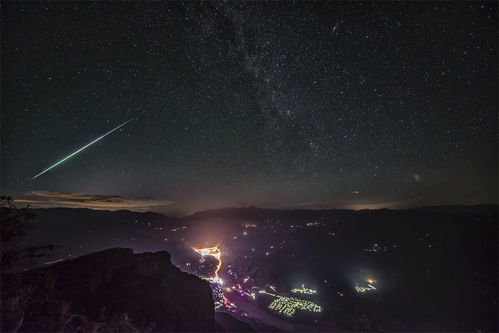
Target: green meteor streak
[{"x": 81, "y": 149}]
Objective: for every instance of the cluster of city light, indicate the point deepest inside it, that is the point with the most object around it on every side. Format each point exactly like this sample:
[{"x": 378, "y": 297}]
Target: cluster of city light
[
  {"x": 239, "y": 289},
  {"x": 288, "y": 305},
  {"x": 304, "y": 290},
  {"x": 362, "y": 289},
  {"x": 370, "y": 286},
  {"x": 209, "y": 251},
  {"x": 218, "y": 296},
  {"x": 221, "y": 301}
]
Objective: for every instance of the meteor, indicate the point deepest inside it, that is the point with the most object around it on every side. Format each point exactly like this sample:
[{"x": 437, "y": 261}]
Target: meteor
[{"x": 81, "y": 149}]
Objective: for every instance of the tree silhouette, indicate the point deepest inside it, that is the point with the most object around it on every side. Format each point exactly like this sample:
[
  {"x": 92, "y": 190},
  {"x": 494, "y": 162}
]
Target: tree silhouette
[{"x": 15, "y": 224}]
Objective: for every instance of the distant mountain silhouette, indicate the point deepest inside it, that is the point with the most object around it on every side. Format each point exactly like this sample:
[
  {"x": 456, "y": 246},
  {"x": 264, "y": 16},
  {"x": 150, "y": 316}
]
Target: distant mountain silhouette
[
  {"x": 78, "y": 231},
  {"x": 455, "y": 209}
]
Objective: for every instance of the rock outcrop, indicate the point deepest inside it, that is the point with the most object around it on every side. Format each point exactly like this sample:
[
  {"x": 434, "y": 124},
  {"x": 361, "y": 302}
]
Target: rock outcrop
[{"x": 113, "y": 290}]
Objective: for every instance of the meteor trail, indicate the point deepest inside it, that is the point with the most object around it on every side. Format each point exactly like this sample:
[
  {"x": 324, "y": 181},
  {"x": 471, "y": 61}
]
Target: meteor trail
[{"x": 81, "y": 149}]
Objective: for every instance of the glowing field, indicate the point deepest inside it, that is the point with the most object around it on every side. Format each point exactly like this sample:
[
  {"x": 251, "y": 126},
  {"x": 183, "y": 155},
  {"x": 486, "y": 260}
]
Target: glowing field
[
  {"x": 363, "y": 289},
  {"x": 304, "y": 290},
  {"x": 288, "y": 305}
]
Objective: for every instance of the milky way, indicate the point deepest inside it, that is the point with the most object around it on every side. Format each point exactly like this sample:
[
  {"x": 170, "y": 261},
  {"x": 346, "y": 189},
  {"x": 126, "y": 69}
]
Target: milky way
[{"x": 279, "y": 104}]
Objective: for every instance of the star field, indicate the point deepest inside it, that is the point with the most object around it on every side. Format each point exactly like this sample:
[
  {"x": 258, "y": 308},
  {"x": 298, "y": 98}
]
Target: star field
[{"x": 280, "y": 104}]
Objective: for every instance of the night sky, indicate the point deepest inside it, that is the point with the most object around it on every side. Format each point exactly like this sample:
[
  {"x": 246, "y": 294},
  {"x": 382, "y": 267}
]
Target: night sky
[{"x": 270, "y": 104}]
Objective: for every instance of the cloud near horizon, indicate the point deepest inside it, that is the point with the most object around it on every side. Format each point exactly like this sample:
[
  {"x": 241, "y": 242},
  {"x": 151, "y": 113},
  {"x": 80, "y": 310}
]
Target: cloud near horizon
[{"x": 49, "y": 199}]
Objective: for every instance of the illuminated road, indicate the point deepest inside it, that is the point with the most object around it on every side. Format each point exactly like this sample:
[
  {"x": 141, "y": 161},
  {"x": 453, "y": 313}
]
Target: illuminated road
[{"x": 214, "y": 252}]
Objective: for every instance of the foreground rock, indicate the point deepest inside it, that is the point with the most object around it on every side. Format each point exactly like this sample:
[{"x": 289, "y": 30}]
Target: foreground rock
[{"x": 113, "y": 290}]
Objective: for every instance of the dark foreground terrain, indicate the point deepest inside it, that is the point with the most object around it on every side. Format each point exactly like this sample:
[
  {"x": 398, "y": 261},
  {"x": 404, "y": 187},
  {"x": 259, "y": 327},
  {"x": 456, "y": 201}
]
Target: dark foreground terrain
[
  {"x": 435, "y": 268},
  {"x": 109, "y": 291}
]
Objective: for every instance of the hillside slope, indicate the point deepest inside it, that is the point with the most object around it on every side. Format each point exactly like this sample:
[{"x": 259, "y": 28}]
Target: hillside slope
[{"x": 112, "y": 290}]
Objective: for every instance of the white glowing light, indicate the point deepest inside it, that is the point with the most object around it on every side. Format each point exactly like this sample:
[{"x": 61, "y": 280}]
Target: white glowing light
[
  {"x": 362, "y": 289},
  {"x": 288, "y": 305},
  {"x": 304, "y": 290}
]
